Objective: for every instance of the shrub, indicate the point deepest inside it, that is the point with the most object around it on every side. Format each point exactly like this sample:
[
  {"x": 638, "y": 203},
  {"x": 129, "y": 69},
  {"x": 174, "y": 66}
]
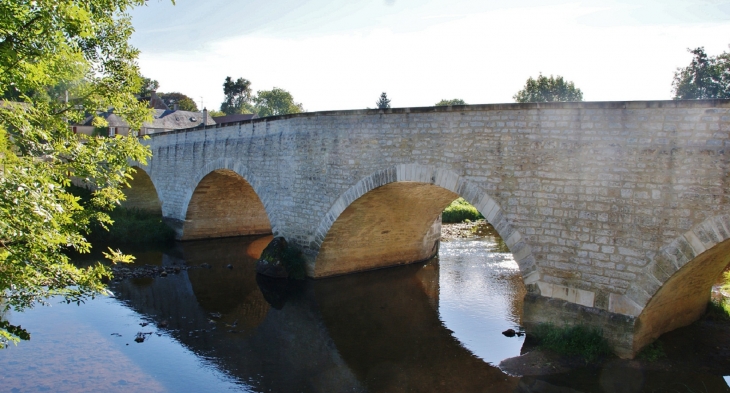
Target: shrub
[
  {"x": 460, "y": 211},
  {"x": 573, "y": 340},
  {"x": 653, "y": 352},
  {"x": 132, "y": 226},
  {"x": 718, "y": 310}
]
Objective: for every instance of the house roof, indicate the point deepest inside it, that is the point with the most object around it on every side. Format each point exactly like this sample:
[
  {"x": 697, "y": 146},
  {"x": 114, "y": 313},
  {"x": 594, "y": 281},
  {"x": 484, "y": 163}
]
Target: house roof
[
  {"x": 165, "y": 119},
  {"x": 234, "y": 118},
  {"x": 175, "y": 120}
]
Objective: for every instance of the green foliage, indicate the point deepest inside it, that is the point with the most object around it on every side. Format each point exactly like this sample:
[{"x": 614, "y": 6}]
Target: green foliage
[
  {"x": 148, "y": 86},
  {"x": 718, "y": 310},
  {"x": 459, "y": 211},
  {"x": 215, "y": 113},
  {"x": 726, "y": 285},
  {"x": 455, "y": 101},
  {"x": 100, "y": 131},
  {"x": 237, "y": 96},
  {"x": 544, "y": 89},
  {"x": 132, "y": 227},
  {"x": 183, "y": 102},
  {"x": 705, "y": 77},
  {"x": 48, "y": 48},
  {"x": 383, "y": 102},
  {"x": 653, "y": 352},
  {"x": 275, "y": 102},
  {"x": 574, "y": 340},
  {"x": 12, "y": 333}
]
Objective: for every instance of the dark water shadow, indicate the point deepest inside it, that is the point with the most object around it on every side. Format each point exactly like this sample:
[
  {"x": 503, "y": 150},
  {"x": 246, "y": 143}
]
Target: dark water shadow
[
  {"x": 386, "y": 327},
  {"x": 377, "y": 331}
]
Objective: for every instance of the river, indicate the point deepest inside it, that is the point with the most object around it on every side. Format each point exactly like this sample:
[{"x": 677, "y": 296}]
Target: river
[{"x": 428, "y": 327}]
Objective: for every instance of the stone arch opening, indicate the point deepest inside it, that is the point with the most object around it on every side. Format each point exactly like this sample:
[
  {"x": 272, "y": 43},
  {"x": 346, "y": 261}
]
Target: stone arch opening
[
  {"x": 394, "y": 224},
  {"x": 392, "y": 217},
  {"x": 679, "y": 280},
  {"x": 224, "y": 204},
  {"x": 141, "y": 193}
]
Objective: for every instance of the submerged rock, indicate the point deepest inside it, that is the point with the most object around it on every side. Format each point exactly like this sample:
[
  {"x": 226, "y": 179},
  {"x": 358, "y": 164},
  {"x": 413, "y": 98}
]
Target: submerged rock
[
  {"x": 279, "y": 260},
  {"x": 271, "y": 262}
]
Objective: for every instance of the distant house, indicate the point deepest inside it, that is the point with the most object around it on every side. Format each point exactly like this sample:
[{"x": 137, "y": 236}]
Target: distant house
[
  {"x": 234, "y": 118},
  {"x": 164, "y": 119}
]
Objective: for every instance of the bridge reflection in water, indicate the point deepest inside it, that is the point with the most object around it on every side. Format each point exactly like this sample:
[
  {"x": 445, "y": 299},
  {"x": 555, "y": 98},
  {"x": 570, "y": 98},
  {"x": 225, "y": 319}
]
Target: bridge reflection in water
[{"x": 377, "y": 331}]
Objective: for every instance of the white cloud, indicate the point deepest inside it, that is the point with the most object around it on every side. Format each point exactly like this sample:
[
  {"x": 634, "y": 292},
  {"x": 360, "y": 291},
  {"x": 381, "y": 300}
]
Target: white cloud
[{"x": 484, "y": 57}]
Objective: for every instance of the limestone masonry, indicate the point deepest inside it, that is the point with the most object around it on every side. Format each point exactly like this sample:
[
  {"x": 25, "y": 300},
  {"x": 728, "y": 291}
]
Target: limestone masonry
[{"x": 601, "y": 203}]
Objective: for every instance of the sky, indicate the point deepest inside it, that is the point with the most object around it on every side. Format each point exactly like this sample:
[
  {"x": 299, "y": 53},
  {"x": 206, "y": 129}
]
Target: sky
[{"x": 334, "y": 55}]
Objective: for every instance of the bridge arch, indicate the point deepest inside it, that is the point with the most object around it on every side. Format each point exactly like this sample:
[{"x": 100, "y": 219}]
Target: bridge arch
[
  {"x": 406, "y": 183},
  {"x": 142, "y": 193},
  {"x": 224, "y": 200},
  {"x": 681, "y": 278}
]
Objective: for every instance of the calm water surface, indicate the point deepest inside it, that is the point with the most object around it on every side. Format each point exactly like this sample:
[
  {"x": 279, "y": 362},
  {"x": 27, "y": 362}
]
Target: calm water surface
[{"x": 421, "y": 328}]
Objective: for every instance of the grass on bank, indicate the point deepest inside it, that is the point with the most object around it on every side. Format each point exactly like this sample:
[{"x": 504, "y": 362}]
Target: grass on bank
[
  {"x": 459, "y": 211},
  {"x": 572, "y": 340}
]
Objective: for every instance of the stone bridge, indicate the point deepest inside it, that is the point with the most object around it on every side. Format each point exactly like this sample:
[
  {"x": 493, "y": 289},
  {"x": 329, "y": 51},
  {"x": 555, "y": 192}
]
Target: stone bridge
[{"x": 617, "y": 213}]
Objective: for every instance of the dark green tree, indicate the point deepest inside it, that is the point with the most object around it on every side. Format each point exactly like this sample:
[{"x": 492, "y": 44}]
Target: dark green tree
[
  {"x": 148, "y": 86},
  {"x": 183, "y": 102},
  {"x": 383, "y": 102},
  {"x": 237, "y": 96},
  {"x": 455, "y": 101},
  {"x": 705, "y": 77},
  {"x": 544, "y": 89},
  {"x": 275, "y": 102}
]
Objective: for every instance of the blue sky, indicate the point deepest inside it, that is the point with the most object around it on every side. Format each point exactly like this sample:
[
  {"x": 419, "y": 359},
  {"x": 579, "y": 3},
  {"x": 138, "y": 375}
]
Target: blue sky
[{"x": 343, "y": 54}]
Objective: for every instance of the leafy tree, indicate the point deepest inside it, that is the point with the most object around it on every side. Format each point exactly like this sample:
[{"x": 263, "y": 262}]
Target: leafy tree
[
  {"x": 275, "y": 102},
  {"x": 383, "y": 102},
  {"x": 705, "y": 77},
  {"x": 82, "y": 49},
  {"x": 238, "y": 96},
  {"x": 183, "y": 102},
  {"x": 215, "y": 113},
  {"x": 148, "y": 86},
  {"x": 455, "y": 101},
  {"x": 544, "y": 89}
]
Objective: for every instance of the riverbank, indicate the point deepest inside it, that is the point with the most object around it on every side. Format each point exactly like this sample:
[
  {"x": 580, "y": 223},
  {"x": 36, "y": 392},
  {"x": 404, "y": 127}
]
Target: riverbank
[
  {"x": 468, "y": 229},
  {"x": 702, "y": 348}
]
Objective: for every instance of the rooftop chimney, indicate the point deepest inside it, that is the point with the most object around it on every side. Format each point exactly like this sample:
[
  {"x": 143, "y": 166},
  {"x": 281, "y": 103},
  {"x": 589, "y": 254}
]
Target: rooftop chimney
[{"x": 205, "y": 116}]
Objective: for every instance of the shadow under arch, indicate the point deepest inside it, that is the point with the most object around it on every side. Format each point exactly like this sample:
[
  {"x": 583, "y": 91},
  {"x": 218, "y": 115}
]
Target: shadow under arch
[
  {"x": 142, "y": 193},
  {"x": 388, "y": 218},
  {"x": 224, "y": 204},
  {"x": 682, "y": 275}
]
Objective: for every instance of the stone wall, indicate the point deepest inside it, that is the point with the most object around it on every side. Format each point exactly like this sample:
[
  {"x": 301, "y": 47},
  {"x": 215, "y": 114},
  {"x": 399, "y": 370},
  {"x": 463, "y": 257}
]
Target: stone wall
[{"x": 586, "y": 195}]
